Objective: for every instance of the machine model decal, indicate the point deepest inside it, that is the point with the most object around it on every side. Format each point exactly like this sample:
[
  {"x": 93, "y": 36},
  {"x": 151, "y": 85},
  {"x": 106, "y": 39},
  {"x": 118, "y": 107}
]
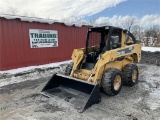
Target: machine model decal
[{"x": 125, "y": 51}]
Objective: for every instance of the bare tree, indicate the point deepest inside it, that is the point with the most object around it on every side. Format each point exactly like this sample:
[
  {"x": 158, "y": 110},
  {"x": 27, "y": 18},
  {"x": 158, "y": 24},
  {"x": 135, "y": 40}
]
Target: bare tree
[
  {"x": 128, "y": 22},
  {"x": 92, "y": 22},
  {"x": 138, "y": 32},
  {"x": 83, "y": 22},
  {"x": 148, "y": 34},
  {"x": 12, "y": 11},
  {"x": 152, "y": 33},
  {"x": 25, "y": 14},
  {"x": 72, "y": 19},
  {"x": 156, "y": 34},
  {"x": 32, "y": 14}
]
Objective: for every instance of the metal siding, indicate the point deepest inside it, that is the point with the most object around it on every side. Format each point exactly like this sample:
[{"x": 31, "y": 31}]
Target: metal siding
[
  {"x": 15, "y": 48},
  {"x": 1, "y": 43}
]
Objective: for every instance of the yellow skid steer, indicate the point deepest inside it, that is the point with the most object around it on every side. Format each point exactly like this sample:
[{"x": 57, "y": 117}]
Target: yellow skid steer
[{"x": 106, "y": 63}]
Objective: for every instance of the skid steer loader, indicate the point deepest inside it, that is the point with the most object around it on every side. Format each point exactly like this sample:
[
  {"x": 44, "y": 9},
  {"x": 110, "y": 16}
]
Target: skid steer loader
[{"x": 107, "y": 62}]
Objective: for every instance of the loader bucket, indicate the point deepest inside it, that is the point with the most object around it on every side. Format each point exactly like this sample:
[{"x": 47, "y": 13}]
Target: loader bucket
[{"x": 80, "y": 93}]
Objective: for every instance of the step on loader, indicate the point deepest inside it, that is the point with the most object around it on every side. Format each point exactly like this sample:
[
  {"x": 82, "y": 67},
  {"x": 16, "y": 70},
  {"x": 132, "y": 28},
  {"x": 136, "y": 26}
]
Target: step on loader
[{"x": 106, "y": 63}]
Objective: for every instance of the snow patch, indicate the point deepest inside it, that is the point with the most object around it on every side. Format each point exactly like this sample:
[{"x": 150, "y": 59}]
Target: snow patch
[
  {"x": 151, "y": 49},
  {"x": 78, "y": 25},
  {"x": 41, "y": 20},
  {"x": 9, "y": 17},
  {"x": 153, "y": 101},
  {"x": 68, "y": 23},
  {"x": 18, "y": 70},
  {"x": 29, "y": 19}
]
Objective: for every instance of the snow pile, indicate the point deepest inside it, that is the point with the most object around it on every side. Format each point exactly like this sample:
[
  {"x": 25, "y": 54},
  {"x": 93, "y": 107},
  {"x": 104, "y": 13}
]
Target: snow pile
[
  {"x": 29, "y": 19},
  {"x": 18, "y": 70},
  {"x": 78, "y": 24},
  {"x": 151, "y": 49},
  {"x": 41, "y": 20},
  {"x": 31, "y": 73},
  {"x": 68, "y": 23}
]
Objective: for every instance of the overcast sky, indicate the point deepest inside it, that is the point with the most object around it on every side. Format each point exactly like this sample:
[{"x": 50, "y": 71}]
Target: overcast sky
[{"x": 113, "y": 11}]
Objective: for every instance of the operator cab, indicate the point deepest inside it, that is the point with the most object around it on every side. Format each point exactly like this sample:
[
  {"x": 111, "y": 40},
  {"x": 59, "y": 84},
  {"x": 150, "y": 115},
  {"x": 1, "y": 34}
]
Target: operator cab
[
  {"x": 102, "y": 39},
  {"x": 99, "y": 40}
]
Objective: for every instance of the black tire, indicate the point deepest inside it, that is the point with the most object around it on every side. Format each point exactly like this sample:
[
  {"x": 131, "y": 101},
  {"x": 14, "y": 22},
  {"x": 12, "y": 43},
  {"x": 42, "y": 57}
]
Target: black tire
[
  {"x": 68, "y": 69},
  {"x": 108, "y": 81},
  {"x": 130, "y": 74}
]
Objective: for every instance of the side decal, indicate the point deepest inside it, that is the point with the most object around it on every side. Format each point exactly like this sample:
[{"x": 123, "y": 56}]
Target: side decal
[{"x": 125, "y": 51}]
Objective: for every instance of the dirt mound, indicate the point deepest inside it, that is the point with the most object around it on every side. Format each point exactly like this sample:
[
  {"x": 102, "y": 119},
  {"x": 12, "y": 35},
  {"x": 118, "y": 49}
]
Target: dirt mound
[{"x": 151, "y": 58}]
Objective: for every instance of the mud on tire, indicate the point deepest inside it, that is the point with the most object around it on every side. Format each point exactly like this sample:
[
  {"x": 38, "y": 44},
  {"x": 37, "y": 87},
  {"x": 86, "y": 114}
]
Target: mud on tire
[
  {"x": 112, "y": 82},
  {"x": 68, "y": 69},
  {"x": 130, "y": 74}
]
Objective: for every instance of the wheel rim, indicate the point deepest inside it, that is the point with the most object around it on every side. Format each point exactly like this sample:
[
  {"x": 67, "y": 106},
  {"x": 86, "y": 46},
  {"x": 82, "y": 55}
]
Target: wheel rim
[
  {"x": 134, "y": 75},
  {"x": 117, "y": 82}
]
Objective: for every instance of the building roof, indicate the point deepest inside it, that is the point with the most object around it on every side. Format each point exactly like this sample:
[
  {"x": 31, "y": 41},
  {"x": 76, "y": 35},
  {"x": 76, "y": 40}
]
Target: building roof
[{"x": 41, "y": 20}]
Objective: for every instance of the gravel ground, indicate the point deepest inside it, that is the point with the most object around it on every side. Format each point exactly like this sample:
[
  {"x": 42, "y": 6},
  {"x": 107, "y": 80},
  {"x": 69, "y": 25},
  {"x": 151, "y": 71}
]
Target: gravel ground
[
  {"x": 23, "y": 101},
  {"x": 151, "y": 58}
]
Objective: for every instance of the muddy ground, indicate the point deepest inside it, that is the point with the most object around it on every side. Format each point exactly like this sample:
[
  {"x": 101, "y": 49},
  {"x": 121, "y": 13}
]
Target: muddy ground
[
  {"x": 151, "y": 58},
  {"x": 20, "y": 97}
]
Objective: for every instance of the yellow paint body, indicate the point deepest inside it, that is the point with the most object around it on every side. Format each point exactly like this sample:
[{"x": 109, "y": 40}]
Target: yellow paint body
[{"x": 110, "y": 59}]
